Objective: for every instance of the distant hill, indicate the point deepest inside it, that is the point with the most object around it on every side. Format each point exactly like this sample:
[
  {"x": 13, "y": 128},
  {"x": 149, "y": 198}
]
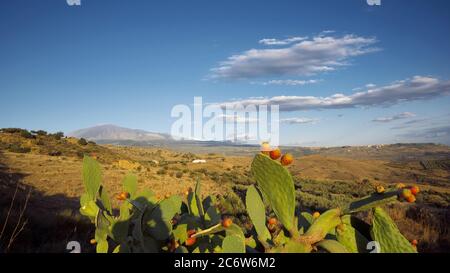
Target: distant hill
[{"x": 112, "y": 133}]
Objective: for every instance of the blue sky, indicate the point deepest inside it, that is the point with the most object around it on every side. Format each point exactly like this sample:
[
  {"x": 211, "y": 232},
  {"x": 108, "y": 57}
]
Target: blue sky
[{"x": 129, "y": 62}]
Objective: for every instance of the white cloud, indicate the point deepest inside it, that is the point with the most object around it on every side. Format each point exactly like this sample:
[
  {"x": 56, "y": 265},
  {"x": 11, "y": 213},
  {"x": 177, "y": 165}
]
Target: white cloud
[
  {"x": 288, "y": 82},
  {"x": 298, "y": 120},
  {"x": 237, "y": 118},
  {"x": 417, "y": 88},
  {"x": 304, "y": 58},
  {"x": 287, "y": 41},
  {"x": 403, "y": 115}
]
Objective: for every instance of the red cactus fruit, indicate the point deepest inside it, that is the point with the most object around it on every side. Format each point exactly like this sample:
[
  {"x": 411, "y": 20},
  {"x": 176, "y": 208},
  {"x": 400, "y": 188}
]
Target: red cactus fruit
[
  {"x": 414, "y": 190},
  {"x": 275, "y": 154},
  {"x": 227, "y": 222},
  {"x": 123, "y": 196},
  {"x": 286, "y": 159}
]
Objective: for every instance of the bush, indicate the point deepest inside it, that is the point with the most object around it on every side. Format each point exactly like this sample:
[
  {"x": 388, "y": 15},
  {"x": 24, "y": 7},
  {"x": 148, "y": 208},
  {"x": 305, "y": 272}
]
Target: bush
[
  {"x": 58, "y": 135},
  {"x": 55, "y": 153},
  {"x": 26, "y": 134},
  {"x": 82, "y": 142},
  {"x": 14, "y": 148},
  {"x": 39, "y": 132},
  {"x": 179, "y": 175}
]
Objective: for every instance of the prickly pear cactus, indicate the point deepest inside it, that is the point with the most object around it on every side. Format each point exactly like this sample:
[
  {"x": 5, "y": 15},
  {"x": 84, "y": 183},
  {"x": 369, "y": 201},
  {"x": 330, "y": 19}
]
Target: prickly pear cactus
[
  {"x": 145, "y": 224},
  {"x": 257, "y": 213},
  {"x": 322, "y": 226},
  {"x": 276, "y": 183},
  {"x": 386, "y": 233},
  {"x": 350, "y": 237}
]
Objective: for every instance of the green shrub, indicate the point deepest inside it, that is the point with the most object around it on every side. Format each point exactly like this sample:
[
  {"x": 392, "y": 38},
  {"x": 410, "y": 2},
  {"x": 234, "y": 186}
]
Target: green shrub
[{"x": 82, "y": 142}]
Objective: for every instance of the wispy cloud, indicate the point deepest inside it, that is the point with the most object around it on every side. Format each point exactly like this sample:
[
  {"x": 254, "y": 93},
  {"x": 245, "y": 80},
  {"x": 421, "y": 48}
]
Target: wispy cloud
[
  {"x": 416, "y": 88},
  {"x": 441, "y": 133},
  {"x": 298, "y": 120},
  {"x": 304, "y": 57},
  {"x": 288, "y": 82},
  {"x": 287, "y": 41},
  {"x": 403, "y": 115}
]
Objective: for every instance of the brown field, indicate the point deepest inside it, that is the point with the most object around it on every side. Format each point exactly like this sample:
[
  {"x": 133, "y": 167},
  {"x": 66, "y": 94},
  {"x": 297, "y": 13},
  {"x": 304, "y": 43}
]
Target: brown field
[{"x": 323, "y": 178}]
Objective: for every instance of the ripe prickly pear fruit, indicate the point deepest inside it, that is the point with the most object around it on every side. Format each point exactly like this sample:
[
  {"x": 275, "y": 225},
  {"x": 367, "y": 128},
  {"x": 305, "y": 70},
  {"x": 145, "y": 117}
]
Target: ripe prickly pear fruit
[
  {"x": 411, "y": 199},
  {"x": 190, "y": 240},
  {"x": 380, "y": 189},
  {"x": 406, "y": 193},
  {"x": 92, "y": 241},
  {"x": 400, "y": 186},
  {"x": 275, "y": 154},
  {"x": 265, "y": 148},
  {"x": 286, "y": 159},
  {"x": 272, "y": 221},
  {"x": 123, "y": 196},
  {"x": 316, "y": 215},
  {"x": 227, "y": 222},
  {"x": 414, "y": 190},
  {"x": 414, "y": 242}
]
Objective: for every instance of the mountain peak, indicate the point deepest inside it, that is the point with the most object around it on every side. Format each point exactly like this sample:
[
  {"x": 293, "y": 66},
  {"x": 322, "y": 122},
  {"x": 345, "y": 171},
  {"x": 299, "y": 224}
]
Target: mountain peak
[{"x": 114, "y": 132}]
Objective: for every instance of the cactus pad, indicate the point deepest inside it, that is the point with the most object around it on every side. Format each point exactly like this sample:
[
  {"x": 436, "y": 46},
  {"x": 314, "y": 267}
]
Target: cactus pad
[{"x": 277, "y": 185}]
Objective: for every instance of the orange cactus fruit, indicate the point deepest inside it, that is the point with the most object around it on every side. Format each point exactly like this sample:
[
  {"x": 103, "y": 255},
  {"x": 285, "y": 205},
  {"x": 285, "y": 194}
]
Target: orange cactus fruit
[
  {"x": 316, "y": 215},
  {"x": 92, "y": 241},
  {"x": 190, "y": 240},
  {"x": 400, "y": 186},
  {"x": 272, "y": 221},
  {"x": 414, "y": 190},
  {"x": 167, "y": 196},
  {"x": 265, "y": 148},
  {"x": 411, "y": 199},
  {"x": 227, "y": 222},
  {"x": 406, "y": 193},
  {"x": 275, "y": 154},
  {"x": 287, "y": 159},
  {"x": 414, "y": 242},
  {"x": 380, "y": 189},
  {"x": 123, "y": 196}
]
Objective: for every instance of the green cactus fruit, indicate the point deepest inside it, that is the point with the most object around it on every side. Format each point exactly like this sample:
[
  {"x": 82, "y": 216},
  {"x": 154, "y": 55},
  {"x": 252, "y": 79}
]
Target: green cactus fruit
[
  {"x": 349, "y": 237},
  {"x": 105, "y": 201},
  {"x": 257, "y": 213},
  {"x": 129, "y": 184},
  {"x": 322, "y": 226},
  {"x": 372, "y": 201},
  {"x": 92, "y": 177},
  {"x": 277, "y": 185},
  {"x": 332, "y": 246},
  {"x": 386, "y": 233},
  {"x": 233, "y": 244}
]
